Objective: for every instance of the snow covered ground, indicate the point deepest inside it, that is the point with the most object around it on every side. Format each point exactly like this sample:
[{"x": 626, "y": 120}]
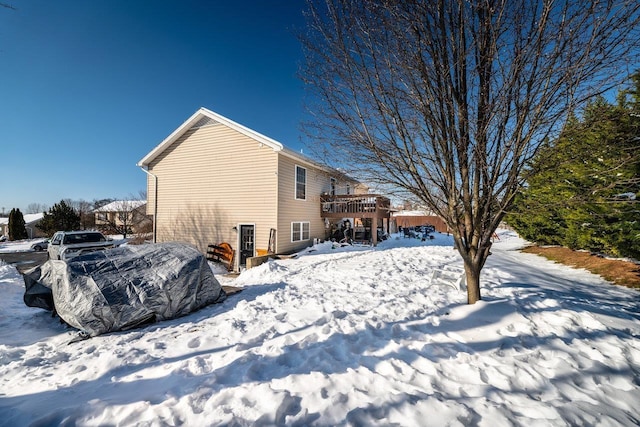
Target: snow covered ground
[
  {"x": 27, "y": 245},
  {"x": 19, "y": 246},
  {"x": 345, "y": 336}
]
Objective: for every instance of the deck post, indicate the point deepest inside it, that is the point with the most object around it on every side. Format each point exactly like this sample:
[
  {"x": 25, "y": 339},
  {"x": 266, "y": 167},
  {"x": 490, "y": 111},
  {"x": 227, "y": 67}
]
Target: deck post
[{"x": 374, "y": 224}]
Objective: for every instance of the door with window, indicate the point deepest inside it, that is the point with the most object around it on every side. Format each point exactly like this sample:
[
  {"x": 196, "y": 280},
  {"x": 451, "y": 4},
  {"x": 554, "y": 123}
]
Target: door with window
[{"x": 247, "y": 239}]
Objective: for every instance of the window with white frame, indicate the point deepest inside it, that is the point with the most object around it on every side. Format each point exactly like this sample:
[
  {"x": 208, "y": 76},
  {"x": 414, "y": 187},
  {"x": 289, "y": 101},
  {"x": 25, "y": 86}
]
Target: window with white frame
[
  {"x": 301, "y": 183},
  {"x": 299, "y": 231}
]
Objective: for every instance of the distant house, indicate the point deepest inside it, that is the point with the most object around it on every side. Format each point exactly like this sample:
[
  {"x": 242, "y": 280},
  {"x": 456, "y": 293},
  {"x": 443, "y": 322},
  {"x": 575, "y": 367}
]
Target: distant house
[
  {"x": 123, "y": 217},
  {"x": 213, "y": 180},
  {"x": 30, "y": 222}
]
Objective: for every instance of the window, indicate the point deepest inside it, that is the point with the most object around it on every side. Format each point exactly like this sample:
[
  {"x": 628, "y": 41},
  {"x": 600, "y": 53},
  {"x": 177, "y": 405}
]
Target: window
[
  {"x": 83, "y": 238},
  {"x": 299, "y": 231},
  {"x": 102, "y": 216},
  {"x": 301, "y": 183},
  {"x": 333, "y": 187}
]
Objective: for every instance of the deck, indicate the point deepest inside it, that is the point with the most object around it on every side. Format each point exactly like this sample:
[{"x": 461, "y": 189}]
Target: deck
[
  {"x": 356, "y": 206},
  {"x": 363, "y": 206}
]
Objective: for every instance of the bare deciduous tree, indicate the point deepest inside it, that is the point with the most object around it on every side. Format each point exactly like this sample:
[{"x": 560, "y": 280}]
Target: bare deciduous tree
[
  {"x": 447, "y": 100},
  {"x": 33, "y": 208},
  {"x": 84, "y": 209},
  {"x": 123, "y": 216}
]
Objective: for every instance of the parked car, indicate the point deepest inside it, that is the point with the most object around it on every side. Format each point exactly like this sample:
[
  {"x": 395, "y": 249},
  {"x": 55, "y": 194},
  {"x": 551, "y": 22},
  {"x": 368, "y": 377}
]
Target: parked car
[
  {"x": 428, "y": 228},
  {"x": 170, "y": 280},
  {"x": 65, "y": 245},
  {"x": 40, "y": 246}
]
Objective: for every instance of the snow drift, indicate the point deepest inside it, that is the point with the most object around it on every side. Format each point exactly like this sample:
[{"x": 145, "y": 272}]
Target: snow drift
[{"x": 124, "y": 287}]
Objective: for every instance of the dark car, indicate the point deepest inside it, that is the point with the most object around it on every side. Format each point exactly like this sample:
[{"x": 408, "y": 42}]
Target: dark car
[{"x": 40, "y": 246}]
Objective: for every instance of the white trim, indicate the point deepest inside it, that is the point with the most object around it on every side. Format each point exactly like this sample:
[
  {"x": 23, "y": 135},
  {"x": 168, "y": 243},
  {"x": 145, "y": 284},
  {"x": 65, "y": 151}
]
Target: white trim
[
  {"x": 302, "y": 239},
  {"x": 301, "y": 158},
  {"x": 239, "y": 241},
  {"x": 155, "y": 201},
  {"x": 188, "y": 124},
  {"x": 269, "y": 142},
  {"x": 295, "y": 182}
]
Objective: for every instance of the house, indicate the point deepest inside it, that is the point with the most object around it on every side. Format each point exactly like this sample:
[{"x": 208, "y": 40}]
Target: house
[
  {"x": 213, "y": 180},
  {"x": 123, "y": 217},
  {"x": 30, "y": 223}
]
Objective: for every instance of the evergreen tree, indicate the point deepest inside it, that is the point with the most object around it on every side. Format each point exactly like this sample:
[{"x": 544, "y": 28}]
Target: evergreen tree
[
  {"x": 581, "y": 191},
  {"x": 17, "y": 229},
  {"x": 11, "y": 217},
  {"x": 61, "y": 217}
]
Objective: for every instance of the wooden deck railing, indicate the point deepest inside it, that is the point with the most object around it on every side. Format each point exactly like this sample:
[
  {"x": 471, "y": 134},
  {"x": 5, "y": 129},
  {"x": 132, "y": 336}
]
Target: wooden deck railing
[{"x": 355, "y": 205}]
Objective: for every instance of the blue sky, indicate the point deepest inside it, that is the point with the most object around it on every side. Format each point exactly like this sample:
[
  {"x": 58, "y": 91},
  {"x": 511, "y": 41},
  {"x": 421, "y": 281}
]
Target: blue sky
[{"x": 88, "y": 88}]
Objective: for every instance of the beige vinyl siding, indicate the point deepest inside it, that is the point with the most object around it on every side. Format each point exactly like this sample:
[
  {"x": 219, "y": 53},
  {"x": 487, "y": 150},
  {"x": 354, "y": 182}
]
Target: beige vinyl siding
[
  {"x": 210, "y": 180},
  {"x": 292, "y": 210},
  {"x": 359, "y": 188}
]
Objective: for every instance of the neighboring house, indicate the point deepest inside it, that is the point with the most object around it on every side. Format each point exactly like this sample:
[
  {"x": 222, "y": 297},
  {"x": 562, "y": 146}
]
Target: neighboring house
[
  {"x": 30, "y": 222},
  {"x": 213, "y": 180},
  {"x": 123, "y": 217}
]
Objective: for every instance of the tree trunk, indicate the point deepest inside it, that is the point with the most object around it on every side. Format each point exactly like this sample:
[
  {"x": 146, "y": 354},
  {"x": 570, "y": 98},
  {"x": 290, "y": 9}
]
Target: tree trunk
[
  {"x": 474, "y": 258},
  {"x": 472, "y": 272}
]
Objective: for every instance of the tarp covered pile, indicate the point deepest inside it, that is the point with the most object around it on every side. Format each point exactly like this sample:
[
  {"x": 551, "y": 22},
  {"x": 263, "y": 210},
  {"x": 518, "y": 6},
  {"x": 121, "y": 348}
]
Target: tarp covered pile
[{"x": 124, "y": 287}]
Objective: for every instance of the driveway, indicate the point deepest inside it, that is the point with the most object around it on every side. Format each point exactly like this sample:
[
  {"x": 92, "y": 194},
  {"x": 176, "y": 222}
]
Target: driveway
[{"x": 24, "y": 260}]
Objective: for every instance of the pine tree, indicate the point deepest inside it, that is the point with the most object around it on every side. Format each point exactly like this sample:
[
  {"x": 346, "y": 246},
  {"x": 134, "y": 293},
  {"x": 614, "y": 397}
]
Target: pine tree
[
  {"x": 581, "y": 189},
  {"x": 12, "y": 215},
  {"x": 17, "y": 228},
  {"x": 61, "y": 217}
]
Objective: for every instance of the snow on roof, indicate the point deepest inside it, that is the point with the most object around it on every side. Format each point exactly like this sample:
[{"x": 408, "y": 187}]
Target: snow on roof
[
  {"x": 413, "y": 213},
  {"x": 28, "y": 218},
  {"x": 121, "y": 206}
]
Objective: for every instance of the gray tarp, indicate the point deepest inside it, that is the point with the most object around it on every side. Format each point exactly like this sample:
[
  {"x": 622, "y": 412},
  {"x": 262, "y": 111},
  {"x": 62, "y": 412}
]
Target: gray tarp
[{"x": 120, "y": 288}]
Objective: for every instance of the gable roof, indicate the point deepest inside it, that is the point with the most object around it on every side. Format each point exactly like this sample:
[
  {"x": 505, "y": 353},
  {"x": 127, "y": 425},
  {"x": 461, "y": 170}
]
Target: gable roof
[
  {"x": 28, "y": 218},
  {"x": 121, "y": 206},
  {"x": 199, "y": 118},
  {"x": 204, "y": 117}
]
